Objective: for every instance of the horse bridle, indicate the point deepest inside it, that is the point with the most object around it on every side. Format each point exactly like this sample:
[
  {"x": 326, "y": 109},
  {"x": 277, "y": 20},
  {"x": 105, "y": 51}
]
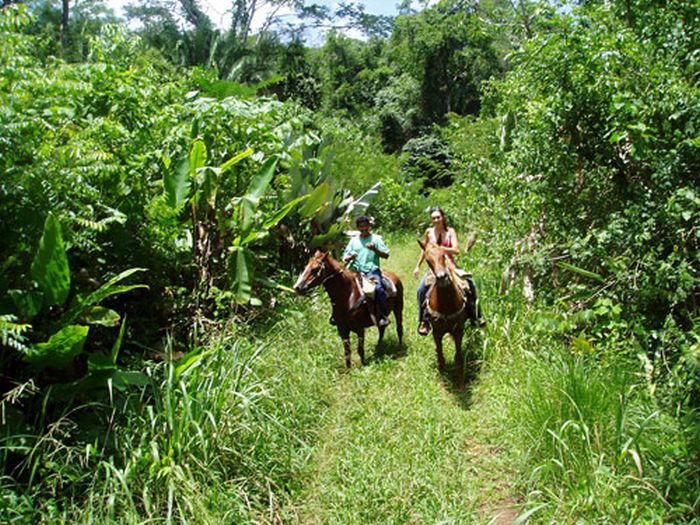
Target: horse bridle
[
  {"x": 436, "y": 314},
  {"x": 321, "y": 268}
]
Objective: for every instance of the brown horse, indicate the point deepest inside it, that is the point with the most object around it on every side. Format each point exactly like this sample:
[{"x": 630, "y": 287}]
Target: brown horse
[
  {"x": 448, "y": 306},
  {"x": 350, "y": 309}
]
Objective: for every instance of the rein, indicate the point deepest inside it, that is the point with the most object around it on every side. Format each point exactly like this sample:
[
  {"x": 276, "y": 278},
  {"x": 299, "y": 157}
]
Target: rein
[
  {"x": 435, "y": 314},
  {"x": 440, "y": 316},
  {"x": 331, "y": 276}
]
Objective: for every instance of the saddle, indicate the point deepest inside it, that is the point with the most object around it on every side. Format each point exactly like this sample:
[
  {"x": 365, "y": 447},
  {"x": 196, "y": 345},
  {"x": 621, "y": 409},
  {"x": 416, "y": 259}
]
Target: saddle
[
  {"x": 368, "y": 284},
  {"x": 460, "y": 277}
]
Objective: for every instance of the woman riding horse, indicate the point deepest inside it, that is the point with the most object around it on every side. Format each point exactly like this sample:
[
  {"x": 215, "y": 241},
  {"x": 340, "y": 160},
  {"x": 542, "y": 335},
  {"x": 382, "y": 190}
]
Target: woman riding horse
[
  {"x": 443, "y": 235},
  {"x": 447, "y": 306}
]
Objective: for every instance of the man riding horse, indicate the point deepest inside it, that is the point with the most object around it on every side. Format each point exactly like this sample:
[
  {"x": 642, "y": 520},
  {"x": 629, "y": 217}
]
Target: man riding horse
[{"x": 363, "y": 254}]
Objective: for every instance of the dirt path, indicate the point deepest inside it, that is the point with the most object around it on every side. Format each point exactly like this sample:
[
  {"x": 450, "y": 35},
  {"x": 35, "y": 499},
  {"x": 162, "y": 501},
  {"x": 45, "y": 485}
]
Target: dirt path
[{"x": 399, "y": 444}]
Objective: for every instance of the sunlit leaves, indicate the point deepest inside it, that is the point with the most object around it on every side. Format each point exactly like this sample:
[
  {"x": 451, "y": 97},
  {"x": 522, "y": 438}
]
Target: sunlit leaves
[
  {"x": 176, "y": 183},
  {"x": 61, "y": 348},
  {"x": 256, "y": 189},
  {"x": 317, "y": 197},
  {"x": 50, "y": 266}
]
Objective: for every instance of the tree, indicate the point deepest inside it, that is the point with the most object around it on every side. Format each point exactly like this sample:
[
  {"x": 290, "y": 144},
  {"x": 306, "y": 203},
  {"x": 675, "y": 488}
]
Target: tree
[
  {"x": 67, "y": 26},
  {"x": 446, "y": 50}
]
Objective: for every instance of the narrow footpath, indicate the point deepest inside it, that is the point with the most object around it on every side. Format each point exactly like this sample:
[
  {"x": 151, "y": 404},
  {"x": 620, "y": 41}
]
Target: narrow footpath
[{"x": 398, "y": 443}]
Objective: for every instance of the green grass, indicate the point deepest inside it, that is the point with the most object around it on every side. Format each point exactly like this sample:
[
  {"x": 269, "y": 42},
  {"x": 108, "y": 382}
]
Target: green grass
[{"x": 265, "y": 425}]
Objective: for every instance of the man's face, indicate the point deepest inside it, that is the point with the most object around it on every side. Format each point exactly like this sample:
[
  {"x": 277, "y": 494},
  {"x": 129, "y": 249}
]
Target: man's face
[{"x": 364, "y": 229}]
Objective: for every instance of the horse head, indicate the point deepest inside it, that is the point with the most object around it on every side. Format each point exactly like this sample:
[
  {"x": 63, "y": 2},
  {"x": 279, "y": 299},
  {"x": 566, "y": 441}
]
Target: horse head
[
  {"x": 436, "y": 258},
  {"x": 314, "y": 273}
]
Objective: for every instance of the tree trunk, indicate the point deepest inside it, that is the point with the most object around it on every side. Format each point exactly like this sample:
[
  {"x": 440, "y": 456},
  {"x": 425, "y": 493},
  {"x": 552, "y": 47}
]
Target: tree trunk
[{"x": 65, "y": 14}]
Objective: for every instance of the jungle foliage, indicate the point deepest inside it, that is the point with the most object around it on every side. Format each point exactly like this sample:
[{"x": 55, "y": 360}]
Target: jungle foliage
[{"x": 159, "y": 188}]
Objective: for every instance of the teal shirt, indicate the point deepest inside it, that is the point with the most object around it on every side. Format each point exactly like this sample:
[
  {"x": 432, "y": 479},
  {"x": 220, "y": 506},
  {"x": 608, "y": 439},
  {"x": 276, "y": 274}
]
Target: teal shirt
[{"x": 366, "y": 260}]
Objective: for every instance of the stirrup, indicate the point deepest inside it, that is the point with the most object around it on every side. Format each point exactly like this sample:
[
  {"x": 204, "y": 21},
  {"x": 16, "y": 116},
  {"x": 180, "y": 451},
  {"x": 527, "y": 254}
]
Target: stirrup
[{"x": 424, "y": 328}]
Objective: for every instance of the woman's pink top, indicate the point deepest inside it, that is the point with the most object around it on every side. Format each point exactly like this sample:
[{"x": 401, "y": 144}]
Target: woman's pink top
[{"x": 446, "y": 241}]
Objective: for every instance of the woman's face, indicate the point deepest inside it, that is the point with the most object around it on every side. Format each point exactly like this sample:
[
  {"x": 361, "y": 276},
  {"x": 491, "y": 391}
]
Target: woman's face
[{"x": 437, "y": 218}]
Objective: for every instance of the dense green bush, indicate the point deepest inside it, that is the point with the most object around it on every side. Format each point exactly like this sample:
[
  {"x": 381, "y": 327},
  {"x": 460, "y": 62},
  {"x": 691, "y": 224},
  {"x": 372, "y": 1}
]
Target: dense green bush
[
  {"x": 428, "y": 160},
  {"x": 602, "y": 127},
  {"x": 598, "y": 120},
  {"x": 109, "y": 167}
]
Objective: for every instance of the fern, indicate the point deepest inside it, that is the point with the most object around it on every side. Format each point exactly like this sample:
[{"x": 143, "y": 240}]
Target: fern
[
  {"x": 100, "y": 225},
  {"x": 12, "y": 332}
]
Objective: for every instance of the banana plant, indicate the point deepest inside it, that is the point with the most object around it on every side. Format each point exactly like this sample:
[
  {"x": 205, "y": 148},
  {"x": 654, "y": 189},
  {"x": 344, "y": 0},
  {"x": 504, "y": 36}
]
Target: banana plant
[
  {"x": 51, "y": 286},
  {"x": 220, "y": 222},
  {"x": 329, "y": 208}
]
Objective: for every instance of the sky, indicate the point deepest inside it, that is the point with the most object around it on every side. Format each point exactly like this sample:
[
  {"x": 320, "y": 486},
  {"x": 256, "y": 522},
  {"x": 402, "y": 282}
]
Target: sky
[{"x": 216, "y": 9}]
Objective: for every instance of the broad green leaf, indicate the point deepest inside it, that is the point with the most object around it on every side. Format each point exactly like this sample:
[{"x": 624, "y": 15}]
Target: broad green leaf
[
  {"x": 280, "y": 214},
  {"x": 260, "y": 182},
  {"x": 252, "y": 236},
  {"x": 256, "y": 189},
  {"x": 61, "y": 348},
  {"x": 100, "y": 315},
  {"x": 50, "y": 266},
  {"x": 316, "y": 199},
  {"x": 241, "y": 272},
  {"x": 235, "y": 160},
  {"x": 198, "y": 157},
  {"x": 121, "y": 379},
  {"x": 210, "y": 184},
  {"x": 580, "y": 271},
  {"x": 100, "y": 362},
  {"x": 246, "y": 208},
  {"x": 272, "y": 284},
  {"x": 176, "y": 184},
  {"x": 332, "y": 235},
  {"x": 118, "y": 343},
  {"x": 27, "y": 302},
  {"x": 360, "y": 205},
  {"x": 106, "y": 290}
]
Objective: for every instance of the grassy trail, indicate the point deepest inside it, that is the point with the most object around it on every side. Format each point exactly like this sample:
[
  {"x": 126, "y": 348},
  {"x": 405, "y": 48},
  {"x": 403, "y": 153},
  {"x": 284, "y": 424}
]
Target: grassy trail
[{"x": 397, "y": 443}]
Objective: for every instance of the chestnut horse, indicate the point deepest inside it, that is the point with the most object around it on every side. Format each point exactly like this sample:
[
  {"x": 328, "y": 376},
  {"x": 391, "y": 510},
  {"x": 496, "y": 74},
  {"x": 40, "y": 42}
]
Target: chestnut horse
[
  {"x": 350, "y": 309},
  {"x": 448, "y": 306}
]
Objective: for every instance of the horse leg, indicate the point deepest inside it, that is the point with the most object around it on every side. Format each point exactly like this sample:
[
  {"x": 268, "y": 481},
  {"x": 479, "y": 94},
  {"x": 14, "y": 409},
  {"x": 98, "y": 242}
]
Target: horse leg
[
  {"x": 361, "y": 345},
  {"x": 345, "y": 336},
  {"x": 438, "y": 350},
  {"x": 398, "y": 318},
  {"x": 381, "y": 334},
  {"x": 459, "y": 359}
]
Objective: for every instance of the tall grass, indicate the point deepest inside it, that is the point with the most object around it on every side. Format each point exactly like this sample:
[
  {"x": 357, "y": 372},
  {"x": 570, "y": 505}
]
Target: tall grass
[
  {"x": 219, "y": 437},
  {"x": 585, "y": 430},
  {"x": 262, "y": 425}
]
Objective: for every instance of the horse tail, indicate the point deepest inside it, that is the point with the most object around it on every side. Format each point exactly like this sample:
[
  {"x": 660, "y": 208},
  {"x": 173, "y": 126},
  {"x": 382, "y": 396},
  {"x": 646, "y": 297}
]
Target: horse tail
[{"x": 398, "y": 309}]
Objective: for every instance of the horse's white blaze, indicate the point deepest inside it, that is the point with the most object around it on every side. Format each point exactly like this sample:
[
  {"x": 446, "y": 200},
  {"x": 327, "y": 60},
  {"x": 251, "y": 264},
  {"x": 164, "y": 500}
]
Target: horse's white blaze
[{"x": 300, "y": 280}]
